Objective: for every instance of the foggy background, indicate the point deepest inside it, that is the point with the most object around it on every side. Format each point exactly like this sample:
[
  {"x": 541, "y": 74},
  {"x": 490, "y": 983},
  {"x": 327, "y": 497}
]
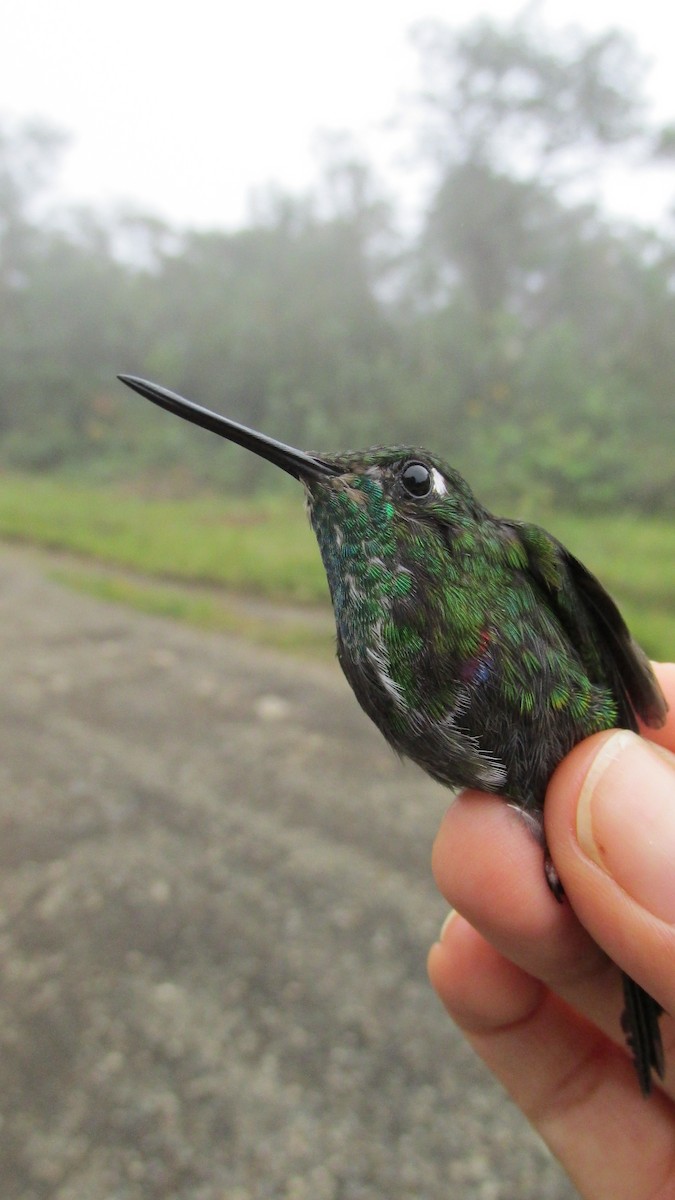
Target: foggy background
[
  {"x": 446, "y": 225},
  {"x": 483, "y": 292}
]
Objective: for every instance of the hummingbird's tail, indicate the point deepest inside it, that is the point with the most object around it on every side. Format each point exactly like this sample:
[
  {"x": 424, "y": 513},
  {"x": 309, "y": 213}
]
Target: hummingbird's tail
[{"x": 640, "y": 1024}]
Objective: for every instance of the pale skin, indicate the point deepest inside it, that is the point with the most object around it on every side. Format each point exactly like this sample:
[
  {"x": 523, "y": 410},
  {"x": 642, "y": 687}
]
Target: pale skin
[{"x": 525, "y": 978}]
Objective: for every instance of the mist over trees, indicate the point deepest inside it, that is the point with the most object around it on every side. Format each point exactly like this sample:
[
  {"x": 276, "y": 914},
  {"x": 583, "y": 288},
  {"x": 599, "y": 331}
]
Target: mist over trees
[{"x": 518, "y": 330}]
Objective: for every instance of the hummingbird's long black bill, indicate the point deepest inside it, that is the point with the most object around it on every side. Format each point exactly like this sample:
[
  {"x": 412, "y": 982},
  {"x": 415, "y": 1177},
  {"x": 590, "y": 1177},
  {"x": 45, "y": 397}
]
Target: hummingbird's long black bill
[{"x": 295, "y": 462}]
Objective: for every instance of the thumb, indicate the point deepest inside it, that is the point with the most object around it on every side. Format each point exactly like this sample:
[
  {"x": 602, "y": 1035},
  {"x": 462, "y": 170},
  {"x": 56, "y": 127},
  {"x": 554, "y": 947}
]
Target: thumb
[{"x": 610, "y": 825}]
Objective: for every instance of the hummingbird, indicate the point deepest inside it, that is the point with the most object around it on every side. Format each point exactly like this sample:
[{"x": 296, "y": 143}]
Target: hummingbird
[{"x": 480, "y": 647}]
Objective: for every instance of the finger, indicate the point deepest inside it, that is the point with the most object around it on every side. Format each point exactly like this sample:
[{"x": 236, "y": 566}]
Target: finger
[
  {"x": 518, "y": 915},
  {"x": 610, "y": 820},
  {"x": 482, "y": 990},
  {"x": 489, "y": 868},
  {"x": 574, "y": 1085}
]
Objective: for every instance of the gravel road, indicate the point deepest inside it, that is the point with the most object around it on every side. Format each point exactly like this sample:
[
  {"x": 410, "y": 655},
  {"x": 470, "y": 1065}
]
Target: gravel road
[{"x": 215, "y": 910}]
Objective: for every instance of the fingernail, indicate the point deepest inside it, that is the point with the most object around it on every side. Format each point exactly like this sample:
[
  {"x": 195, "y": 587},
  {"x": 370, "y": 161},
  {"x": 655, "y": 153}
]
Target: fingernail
[
  {"x": 450, "y": 917},
  {"x": 626, "y": 819}
]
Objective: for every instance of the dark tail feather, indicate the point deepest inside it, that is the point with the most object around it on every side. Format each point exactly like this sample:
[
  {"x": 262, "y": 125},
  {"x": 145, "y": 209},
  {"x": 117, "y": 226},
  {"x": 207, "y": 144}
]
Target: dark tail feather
[{"x": 640, "y": 1024}]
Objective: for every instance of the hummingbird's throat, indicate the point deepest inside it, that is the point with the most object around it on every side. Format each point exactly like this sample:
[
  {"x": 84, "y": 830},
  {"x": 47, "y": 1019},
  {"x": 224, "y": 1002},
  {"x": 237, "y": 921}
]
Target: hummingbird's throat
[{"x": 355, "y": 526}]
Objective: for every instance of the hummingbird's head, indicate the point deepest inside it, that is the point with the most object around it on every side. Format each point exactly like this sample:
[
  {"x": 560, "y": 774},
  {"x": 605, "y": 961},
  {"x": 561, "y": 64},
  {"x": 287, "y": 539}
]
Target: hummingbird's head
[
  {"x": 380, "y": 515},
  {"x": 385, "y": 521},
  {"x": 402, "y": 481}
]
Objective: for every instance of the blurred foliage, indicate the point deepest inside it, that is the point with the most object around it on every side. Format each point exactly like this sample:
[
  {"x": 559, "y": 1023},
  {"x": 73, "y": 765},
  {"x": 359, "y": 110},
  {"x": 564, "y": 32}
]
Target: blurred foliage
[{"x": 517, "y": 330}]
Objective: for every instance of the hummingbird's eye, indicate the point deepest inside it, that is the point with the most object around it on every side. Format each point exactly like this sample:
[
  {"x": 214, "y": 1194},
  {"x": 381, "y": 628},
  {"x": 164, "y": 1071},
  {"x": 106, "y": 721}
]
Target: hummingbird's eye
[{"x": 416, "y": 479}]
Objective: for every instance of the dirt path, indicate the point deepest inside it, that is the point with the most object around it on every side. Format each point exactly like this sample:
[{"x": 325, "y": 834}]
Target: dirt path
[{"x": 216, "y": 906}]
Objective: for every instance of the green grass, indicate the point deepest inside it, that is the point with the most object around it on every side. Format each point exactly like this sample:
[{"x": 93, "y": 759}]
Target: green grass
[{"x": 264, "y": 547}]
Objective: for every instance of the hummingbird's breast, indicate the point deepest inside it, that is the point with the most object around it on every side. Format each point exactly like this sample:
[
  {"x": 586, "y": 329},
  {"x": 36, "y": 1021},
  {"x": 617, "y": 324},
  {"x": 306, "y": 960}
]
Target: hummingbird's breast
[
  {"x": 395, "y": 640},
  {"x": 448, "y": 652}
]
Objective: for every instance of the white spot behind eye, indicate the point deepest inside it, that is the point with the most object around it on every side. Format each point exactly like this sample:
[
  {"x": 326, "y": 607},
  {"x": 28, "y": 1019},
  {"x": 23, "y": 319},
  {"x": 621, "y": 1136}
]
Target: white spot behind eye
[{"x": 439, "y": 482}]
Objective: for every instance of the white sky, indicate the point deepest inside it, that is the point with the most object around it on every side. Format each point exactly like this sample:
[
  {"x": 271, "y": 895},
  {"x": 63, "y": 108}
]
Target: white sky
[{"x": 185, "y": 108}]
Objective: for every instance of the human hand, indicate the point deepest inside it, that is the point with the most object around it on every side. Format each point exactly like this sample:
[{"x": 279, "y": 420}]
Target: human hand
[{"x": 525, "y": 978}]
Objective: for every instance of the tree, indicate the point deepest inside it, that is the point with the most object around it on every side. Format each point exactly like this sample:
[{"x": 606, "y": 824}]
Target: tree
[
  {"x": 527, "y": 100},
  {"x": 534, "y": 306}
]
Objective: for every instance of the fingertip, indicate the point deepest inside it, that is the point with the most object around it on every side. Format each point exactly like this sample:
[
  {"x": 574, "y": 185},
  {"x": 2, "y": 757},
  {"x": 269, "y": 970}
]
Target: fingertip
[
  {"x": 488, "y": 866},
  {"x": 569, "y": 776},
  {"x": 481, "y": 989},
  {"x": 610, "y": 825},
  {"x": 481, "y": 852},
  {"x": 610, "y": 803},
  {"x": 466, "y": 805},
  {"x": 564, "y": 791}
]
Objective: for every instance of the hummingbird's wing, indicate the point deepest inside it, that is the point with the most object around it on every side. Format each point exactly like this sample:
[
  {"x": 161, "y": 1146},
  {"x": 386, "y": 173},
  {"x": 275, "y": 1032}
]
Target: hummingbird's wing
[
  {"x": 634, "y": 667},
  {"x": 595, "y": 626},
  {"x": 600, "y": 634}
]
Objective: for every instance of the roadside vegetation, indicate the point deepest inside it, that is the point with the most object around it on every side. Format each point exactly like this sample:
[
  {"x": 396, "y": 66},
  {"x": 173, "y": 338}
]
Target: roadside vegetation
[{"x": 176, "y": 558}]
